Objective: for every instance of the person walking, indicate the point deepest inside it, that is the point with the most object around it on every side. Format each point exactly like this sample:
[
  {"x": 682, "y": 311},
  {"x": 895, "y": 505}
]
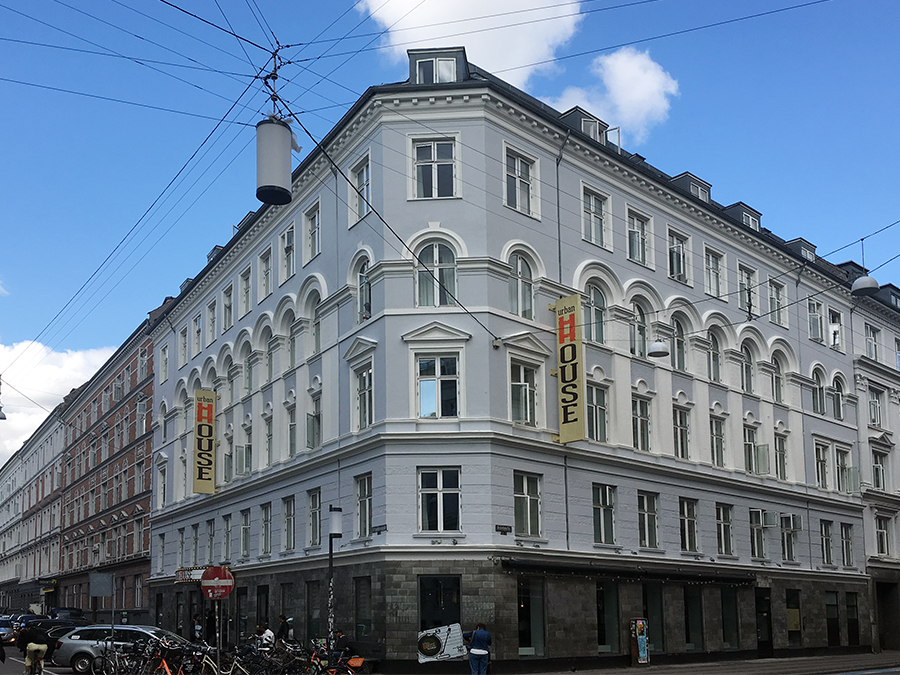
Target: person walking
[{"x": 479, "y": 649}]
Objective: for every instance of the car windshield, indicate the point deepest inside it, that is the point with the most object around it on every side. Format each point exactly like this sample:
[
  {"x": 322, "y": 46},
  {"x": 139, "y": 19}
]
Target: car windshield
[{"x": 5, "y": 623}]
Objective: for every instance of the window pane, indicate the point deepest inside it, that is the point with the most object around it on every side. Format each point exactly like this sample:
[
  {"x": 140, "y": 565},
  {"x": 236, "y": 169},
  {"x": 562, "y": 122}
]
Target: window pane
[
  {"x": 429, "y": 511},
  {"x": 426, "y": 367},
  {"x": 427, "y": 399},
  {"x": 444, "y": 180},
  {"x": 448, "y": 398},
  {"x": 429, "y": 479},
  {"x": 451, "y": 511},
  {"x": 450, "y": 478},
  {"x": 444, "y": 151},
  {"x": 426, "y": 72},
  {"x": 424, "y": 181},
  {"x": 448, "y": 366}
]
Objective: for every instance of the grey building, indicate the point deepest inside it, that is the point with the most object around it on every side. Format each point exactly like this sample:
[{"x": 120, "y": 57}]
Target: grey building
[{"x": 384, "y": 344}]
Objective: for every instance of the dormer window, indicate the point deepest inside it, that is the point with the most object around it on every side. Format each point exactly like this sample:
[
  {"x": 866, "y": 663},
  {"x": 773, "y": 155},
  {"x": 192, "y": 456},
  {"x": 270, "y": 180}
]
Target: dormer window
[
  {"x": 591, "y": 128},
  {"x": 702, "y": 192},
  {"x": 435, "y": 71},
  {"x": 751, "y": 221}
]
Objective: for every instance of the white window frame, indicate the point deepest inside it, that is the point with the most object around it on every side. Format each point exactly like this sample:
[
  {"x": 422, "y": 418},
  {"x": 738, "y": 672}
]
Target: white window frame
[
  {"x": 264, "y": 270},
  {"x": 648, "y": 519},
  {"x": 435, "y": 276},
  {"x": 595, "y": 221},
  {"x": 597, "y": 412},
  {"x": 435, "y": 398},
  {"x": 836, "y": 329},
  {"x": 747, "y": 285},
  {"x": 714, "y": 277},
  {"x": 265, "y": 526},
  {"x": 312, "y": 231},
  {"x": 443, "y": 495},
  {"x": 725, "y": 529},
  {"x": 245, "y": 533},
  {"x": 847, "y": 544},
  {"x": 288, "y": 247},
  {"x": 515, "y": 180},
  {"x": 876, "y": 406},
  {"x": 594, "y": 313},
  {"x": 245, "y": 301},
  {"x": 641, "y": 427},
  {"x": 289, "y": 516},
  {"x": 681, "y": 427},
  {"x": 679, "y": 256},
  {"x": 687, "y": 516},
  {"x": 364, "y": 396},
  {"x": 823, "y": 465},
  {"x": 880, "y": 473},
  {"x": 604, "y": 507},
  {"x": 717, "y": 440},
  {"x": 826, "y": 534},
  {"x": 527, "y": 503},
  {"x": 441, "y": 71},
  {"x": 196, "y": 344},
  {"x": 757, "y": 534},
  {"x": 781, "y": 458},
  {"x": 360, "y": 190},
  {"x": 364, "y": 506},
  {"x": 521, "y": 286},
  {"x": 639, "y": 227},
  {"x": 816, "y": 319},
  {"x": 314, "y": 509},
  {"x": 420, "y": 141},
  {"x": 883, "y": 535},
  {"x": 777, "y": 303},
  {"x": 227, "y": 307},
  {"x": 873, "y": 338},
  {"x": 212, "y": 317},
  {"x": 525, "y": 378}
]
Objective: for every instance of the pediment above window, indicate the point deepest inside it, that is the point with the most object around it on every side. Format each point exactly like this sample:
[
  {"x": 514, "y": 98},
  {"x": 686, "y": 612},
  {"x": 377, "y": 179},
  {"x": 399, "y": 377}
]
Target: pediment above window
[
  {"x": 881, "y": 438},
  {"x": 360, "y": 347},
  {"x": 527, "y": 342},
  {"x": 436, "y": 332}
]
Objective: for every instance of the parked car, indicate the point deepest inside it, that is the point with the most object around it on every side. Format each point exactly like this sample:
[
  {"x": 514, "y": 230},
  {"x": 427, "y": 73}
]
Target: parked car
[
  {"x": 66, "y": 613},
  {"x": 7, "y": 634},
  {"x": 46, "y": 624},
  {"x": 20, "y": 620},
  {"x": 80, "y": 646},
  {"x": 54, "y": 633}
]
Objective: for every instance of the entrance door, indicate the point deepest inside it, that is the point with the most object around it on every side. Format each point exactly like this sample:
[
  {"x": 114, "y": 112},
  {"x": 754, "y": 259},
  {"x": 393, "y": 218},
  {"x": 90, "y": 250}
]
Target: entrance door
[
  {"x": 763, "y": 623},
  {"x": 888, "y": 599}
]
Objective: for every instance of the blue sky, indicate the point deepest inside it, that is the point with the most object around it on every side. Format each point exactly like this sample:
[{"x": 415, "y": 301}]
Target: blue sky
[{"x": 793, "y": 112}]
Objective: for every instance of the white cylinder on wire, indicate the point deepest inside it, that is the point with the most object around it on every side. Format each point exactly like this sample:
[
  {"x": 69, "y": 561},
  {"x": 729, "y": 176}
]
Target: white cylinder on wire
[{"x": 273, "y": 162}]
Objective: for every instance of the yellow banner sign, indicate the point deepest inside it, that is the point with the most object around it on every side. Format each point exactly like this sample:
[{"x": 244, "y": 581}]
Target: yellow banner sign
[
  {"x": 204, "y": 441},
  {"x": 570, "y": 364}
]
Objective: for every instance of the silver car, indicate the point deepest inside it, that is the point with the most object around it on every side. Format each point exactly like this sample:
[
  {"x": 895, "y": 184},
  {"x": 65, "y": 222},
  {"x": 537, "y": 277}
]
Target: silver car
[{"x": 78, "y": 648}]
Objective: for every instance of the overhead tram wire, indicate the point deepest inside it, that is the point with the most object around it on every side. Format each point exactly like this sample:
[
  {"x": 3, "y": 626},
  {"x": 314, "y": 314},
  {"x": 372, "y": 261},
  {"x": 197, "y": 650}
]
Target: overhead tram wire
[
  {"x": 137, "y": 223},
  {"x": 240, "y": 43},
  {"x": 216, "y": 26},
  {"x": 260, "y": 20}
]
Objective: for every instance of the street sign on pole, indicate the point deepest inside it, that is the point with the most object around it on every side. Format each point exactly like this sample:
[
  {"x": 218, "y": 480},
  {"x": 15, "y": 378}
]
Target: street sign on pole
[{"x": 216, "y": 582}]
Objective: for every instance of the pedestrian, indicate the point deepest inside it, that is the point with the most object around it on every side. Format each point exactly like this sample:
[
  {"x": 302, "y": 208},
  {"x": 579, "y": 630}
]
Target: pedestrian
[
  {"x": 211, "y": 628},
  {"x": 340, "y": 645},
  {"x": 33, "y": 644},
  {"x": 265, "y": 636},
  {"x": 479, "y": 649},
  {"x": 197, "y": 632},
  {"x": 284, "y": 631}
]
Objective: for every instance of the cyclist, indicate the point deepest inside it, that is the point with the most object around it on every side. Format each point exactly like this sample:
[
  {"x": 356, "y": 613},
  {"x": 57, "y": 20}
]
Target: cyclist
[{"x": 33, "y": 643}]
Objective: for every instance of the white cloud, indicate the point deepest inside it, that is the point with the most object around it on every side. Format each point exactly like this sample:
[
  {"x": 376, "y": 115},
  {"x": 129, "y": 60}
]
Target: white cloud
[
  {"x": 633, "y": 92},
  {"x": 3, "y": 291},
  {"x": 45, "y": 377},
  {"x": 414, "y": 23}
]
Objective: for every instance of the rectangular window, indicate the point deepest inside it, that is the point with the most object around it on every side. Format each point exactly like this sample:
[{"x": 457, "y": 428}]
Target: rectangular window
[
  {"x": 637, "y": 237},
  {"x": 244, "y": 290},
  {"x": 607, "y": 617},
  {"x": 227, "y": 308},
  {"x": 883, "y": 535},
  {"x": 756, "y": 457},
  {"x": 226, "y": 537},
  {"x": 825, "y": 527},
  {"x": 265, "y": 274},
  {"x": 287, "y": 508},
  {"x": 520, "y": 182},
  {"x": 788, "y": 538},
  {"x": 777, "y": 312},
  {"x": 182, "y": 359},
  {"x": 364, "y": 505},
  {"x": 814, "y": 311},
  {"x": 879, "y": 473},
  {"x": 210, "y": 540},
  {"x": 647, "y": 525},
  {"x": 266, "y": 528},
  {"x": 724, "y": 519},
  {"x": 747, "y": 289},
  {"x": 364, "y": 397},
  {"x": 835, "y": 330},
  {"x": 313, "y": 243},
  {"x": 292, "y": 432},
  {"x": 288, "y": 254},
  {"x": 717, "y": 440},
  {"x": 843, "y": 472},
  {"x": 438, "y": 386},
  {"x": 211, "y": 328},
  {"x": 873, "y": 339},
  {"x": 245, "y": 533},
  {"x": 640, "y": 424},
  {"x": 595, "y": 217},
  {"x": 196, "y": 341},
  {"x": 435, "y": 71},
  {"x": 715, "y": 280},
  {"x": 687, "y": 509},
  {"x": 314, "y": 423},
  {"x": 596, "y": 413},
  {"x": 681, "y": 427},
  {"x": 822, "y": 470},
  {"x": 876, "y": 405},
  {"x": 604, "y": 514},
  {"x": 361, "y": 191},
  {"x": 847, "y": 544},
  {"x": 314, "y": 500},
  {"x": 434, "y": 169},
  {"x": 757, "y": 534},
  {"x": 523, "y": 391},
  {"x": 678, "y": 257},
  {"x": 527, "y": 500},
  {"x": 781, "y": 457},
  {"x": 439, "y": 500}
]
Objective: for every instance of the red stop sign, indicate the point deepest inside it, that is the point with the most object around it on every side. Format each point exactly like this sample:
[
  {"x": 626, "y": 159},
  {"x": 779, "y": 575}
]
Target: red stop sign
[{"x": 216, "y": 582}]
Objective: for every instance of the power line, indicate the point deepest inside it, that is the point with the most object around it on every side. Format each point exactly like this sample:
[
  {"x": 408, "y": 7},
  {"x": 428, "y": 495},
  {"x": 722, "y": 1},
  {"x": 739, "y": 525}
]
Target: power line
[{"x": 216, "y": 26}]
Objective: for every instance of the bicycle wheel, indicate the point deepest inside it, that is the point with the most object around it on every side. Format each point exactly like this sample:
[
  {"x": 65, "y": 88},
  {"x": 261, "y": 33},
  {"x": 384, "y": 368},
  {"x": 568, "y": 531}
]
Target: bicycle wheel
[{"x": 103, "y": 665}]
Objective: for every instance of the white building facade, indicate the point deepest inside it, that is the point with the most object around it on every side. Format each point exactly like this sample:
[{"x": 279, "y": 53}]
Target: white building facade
[{"x": 384, "y": 344}]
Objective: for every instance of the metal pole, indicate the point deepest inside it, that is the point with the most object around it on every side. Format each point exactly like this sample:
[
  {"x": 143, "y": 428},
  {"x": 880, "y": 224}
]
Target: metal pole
[
  {"x": 335, "y": 531},
  {"x": 218, "y": 635}
]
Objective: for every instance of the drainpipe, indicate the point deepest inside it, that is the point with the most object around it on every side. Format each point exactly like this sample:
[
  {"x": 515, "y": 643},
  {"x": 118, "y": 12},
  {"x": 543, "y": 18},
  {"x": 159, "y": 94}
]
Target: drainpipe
[{"x": 558, "y": 222}]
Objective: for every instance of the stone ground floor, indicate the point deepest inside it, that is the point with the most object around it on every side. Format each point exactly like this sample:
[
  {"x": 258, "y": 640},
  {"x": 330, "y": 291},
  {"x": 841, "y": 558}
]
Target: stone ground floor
[{"x": 543, "y": 611}]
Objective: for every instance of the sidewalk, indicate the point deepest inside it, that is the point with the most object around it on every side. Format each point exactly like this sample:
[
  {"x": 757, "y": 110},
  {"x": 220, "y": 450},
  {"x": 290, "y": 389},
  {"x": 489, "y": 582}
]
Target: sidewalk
[{"x": 811, "y": 665}]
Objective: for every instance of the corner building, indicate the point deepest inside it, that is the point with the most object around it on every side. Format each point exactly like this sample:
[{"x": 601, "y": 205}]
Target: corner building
[{"x": 402, "y": 368}]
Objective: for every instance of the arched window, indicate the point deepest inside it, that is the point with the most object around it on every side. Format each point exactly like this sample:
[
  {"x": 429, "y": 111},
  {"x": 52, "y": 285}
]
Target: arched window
[
  {"x": 594, "y": 314},
  {"x": 678, "y": 354},
  {"x": 437, "y": 275},
  {"x": 746, "y": 369},
  {"x": 248, "y": 369},
  {"x": 714, "y": 358},
  {"x": 818, "y": 403},
  {"x": 363, "y": 292},
  {"x": 837, "y": 398},
  {"x": 638, "y": 331},
  {"x": 162, "y": 419},
  {"x": 315, "y": 327},
  {"x": 521, "y": 287},
  {"x": 777, "y": 380}
]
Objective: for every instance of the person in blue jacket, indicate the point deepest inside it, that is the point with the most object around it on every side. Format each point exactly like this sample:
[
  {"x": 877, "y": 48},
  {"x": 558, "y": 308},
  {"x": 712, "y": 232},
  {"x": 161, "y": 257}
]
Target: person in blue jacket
[{"x": 479, "y": 649}]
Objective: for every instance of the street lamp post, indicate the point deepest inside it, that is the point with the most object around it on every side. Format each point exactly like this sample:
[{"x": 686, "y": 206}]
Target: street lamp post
[{"x": 335, "y": 532}]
